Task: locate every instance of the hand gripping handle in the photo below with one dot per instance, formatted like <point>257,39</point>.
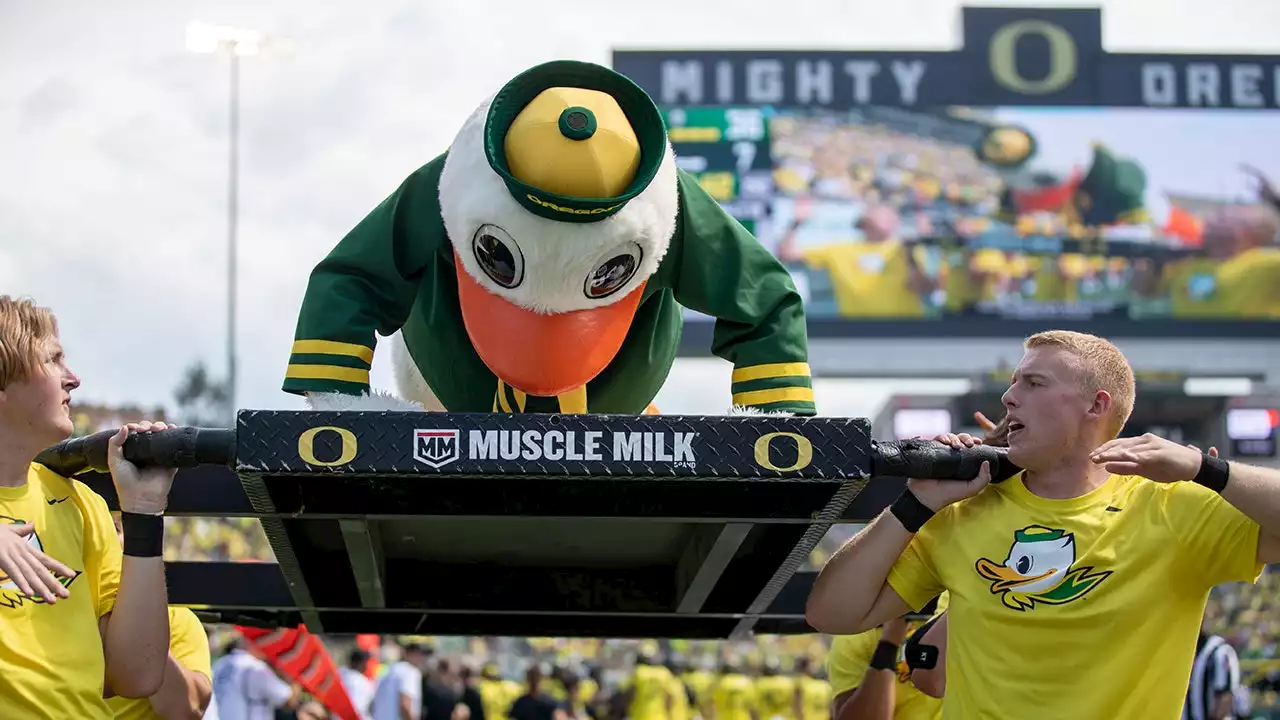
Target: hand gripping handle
<point>178,448</point>
<point>930,459</point>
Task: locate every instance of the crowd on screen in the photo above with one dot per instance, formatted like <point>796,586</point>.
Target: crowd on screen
<point>855,197</point>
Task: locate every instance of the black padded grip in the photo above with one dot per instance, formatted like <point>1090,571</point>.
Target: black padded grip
<point>178,448</point>
<point>930,459</point>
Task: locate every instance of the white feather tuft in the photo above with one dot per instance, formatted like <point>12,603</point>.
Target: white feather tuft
<point>745,410</point>
<point>373,400</point>
<point>409,381</point>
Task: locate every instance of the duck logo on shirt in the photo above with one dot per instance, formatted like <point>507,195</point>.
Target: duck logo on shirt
<point>1040,570</point>
<point>10,596</point>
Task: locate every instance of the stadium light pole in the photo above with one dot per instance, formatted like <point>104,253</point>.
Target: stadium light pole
<point>235,43</point>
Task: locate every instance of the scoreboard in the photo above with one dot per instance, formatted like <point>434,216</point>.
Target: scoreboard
<point>728,150</point>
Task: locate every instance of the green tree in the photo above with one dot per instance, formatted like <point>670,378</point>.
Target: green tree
<point>202,399</point>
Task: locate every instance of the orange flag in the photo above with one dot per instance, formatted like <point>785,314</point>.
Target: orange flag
<point>301,657</point>
<point>1185,226</point>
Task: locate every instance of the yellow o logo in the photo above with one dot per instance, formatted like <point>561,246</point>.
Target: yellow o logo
<point>307,446</point>
<point>804,452</point>
<point>1063,62</point>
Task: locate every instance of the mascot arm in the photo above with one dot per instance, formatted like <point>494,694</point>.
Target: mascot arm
<point>726,273</point>
<point>366,285</point>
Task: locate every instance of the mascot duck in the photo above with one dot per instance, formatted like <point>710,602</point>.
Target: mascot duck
<point>540,265</point>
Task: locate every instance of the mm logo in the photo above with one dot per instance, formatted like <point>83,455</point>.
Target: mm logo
<point>347,448</point>
<point>436,448</point>
<point>765,444</point>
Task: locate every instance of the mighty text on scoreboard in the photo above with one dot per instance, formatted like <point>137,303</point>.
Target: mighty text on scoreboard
<point>1010,57</point>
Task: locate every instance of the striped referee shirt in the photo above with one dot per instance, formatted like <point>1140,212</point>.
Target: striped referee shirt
<point>1216,670</point>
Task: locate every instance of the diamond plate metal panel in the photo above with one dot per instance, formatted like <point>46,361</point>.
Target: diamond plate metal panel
<point>463,445</point>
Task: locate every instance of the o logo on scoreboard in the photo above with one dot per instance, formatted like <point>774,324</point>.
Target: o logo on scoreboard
<point>307,446</point>
<point>1063,58</point>
<point>804,451</point>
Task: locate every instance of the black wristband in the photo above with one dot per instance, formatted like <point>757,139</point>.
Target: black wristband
<point>1214,473</point>
<point>885,657</point>
<point>912,513</point>
<point>143,534</point>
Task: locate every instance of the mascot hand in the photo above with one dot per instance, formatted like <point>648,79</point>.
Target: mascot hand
<point>373,400</point>
<point>744,410</point>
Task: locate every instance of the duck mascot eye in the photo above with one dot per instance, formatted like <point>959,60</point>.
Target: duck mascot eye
<point>541,264</point>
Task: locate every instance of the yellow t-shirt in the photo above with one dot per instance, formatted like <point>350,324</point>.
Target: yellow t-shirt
<point>587,689</point>
<point>51,658</point>
<point>815,698</point>
<point>493,698</point>
<point>962,286</point>
<point>776,697</point>
<point>733,697</point>
<point>850,658</point>
<point>700,681</point>
<point>679,699</point>
<point>869,279</point>
<point>652,685</point>
<point>188,644</point>
<point>1081,608</point>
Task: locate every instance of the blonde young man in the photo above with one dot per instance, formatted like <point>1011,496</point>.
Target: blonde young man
<point>187,686</point>
<point>80,620</point>
<point>1077,587</point>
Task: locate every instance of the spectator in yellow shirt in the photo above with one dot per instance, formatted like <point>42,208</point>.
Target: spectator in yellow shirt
<point>185,691</point>
<point>813,692</point>
<point>647,693</point>
<point>870,677</point>
<point>880,277</point>
<point>733,697</point>
<point>776,693</point>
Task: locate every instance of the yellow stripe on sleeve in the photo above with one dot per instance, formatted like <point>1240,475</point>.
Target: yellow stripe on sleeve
<point>332,347</point>
<point>772,370</point>
<point>328,372</point>
<point>765,397</point>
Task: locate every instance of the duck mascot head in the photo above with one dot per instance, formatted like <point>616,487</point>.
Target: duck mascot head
<point>541,265</point>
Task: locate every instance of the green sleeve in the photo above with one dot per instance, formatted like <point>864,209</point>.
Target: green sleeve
<point>726,273</point>
<point>366,285</point>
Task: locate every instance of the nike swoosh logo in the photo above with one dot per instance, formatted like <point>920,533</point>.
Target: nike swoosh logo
<point>55,501</point>
<point>1112,508</point>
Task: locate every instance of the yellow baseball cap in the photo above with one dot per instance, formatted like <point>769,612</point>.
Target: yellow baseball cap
<point>574,141</point>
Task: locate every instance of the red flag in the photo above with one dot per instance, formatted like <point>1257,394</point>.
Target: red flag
<point>301,657</point>
<point>1050,198</point>
<point>371,644</point>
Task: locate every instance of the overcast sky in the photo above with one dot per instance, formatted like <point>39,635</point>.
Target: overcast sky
<point>113,147</point>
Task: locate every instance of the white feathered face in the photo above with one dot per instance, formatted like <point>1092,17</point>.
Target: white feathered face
<point>546,303</point>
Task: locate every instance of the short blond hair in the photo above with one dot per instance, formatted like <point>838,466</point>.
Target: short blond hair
<point>1102,367</point>
<point>25,328</point>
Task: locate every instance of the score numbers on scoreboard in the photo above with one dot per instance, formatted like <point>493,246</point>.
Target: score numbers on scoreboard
<point>728,150</point>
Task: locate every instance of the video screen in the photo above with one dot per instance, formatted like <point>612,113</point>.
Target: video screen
<point>885,213</point>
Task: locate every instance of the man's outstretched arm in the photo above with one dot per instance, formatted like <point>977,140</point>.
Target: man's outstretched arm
<point>1253,490</point>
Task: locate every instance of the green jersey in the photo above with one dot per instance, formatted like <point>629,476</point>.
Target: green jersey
<point>395,271</point>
